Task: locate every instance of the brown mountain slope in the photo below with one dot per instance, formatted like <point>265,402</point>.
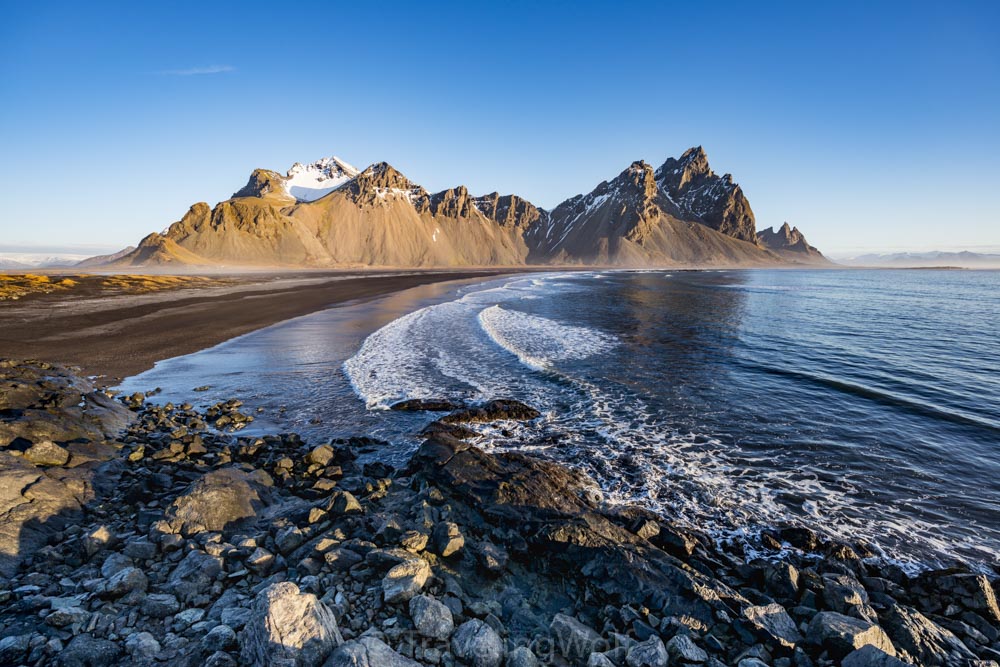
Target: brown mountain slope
<point>788,242</point>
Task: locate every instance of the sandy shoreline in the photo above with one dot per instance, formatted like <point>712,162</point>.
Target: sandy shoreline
<point>121,335</point>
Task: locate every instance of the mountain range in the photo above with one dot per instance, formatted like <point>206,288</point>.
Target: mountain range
<point>934,258</point>
<point>330,214</point>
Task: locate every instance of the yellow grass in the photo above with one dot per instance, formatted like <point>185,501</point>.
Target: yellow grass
<point>16,286</point>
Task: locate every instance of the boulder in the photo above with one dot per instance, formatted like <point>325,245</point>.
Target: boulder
<point>650,653</point>
<point>194,575</point>
<point>431,618</point>
<point>840,635</point>
<point>477,644</point>
<point>572,638</point>
<point>88,651</point>
<point>870,656</point>
<point>923,639</point>
<point>125,581</point>
<point>447,539</point>
<point>405,580</point>
<point>288,627</point>
<point>425,404</point>
<point>219,501</point>
<point>46,453</point>
<point>521,657</point>
<point>772,623</point>
<point>491,411</point>
<point>681,648</point>
<point>367,651</point>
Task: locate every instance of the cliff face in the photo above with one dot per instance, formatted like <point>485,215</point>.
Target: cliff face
<point>331,214</point>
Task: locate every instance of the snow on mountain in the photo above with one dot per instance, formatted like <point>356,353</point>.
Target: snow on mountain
<point>309,182</point>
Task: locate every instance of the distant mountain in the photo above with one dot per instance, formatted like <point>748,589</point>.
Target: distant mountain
<point>38,261</point>
<point>328,213</point>
<point>789,242</point>
<point>7,264</point>
<point>971,260</point>
<point>99,260</point>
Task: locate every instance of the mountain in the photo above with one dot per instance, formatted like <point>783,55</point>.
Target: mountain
<point>99,260</point>
<point>903,260</point>
<point>7,264</point>
<point>328,213</point>
<point>789,242</point>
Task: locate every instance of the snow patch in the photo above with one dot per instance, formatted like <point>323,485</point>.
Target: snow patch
<point>309,182</point>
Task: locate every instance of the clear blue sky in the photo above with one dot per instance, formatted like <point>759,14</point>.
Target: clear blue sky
<point>868,125</point>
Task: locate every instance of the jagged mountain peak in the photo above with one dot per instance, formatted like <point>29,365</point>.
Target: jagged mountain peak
<point>309,182</point>
<point>263,182</point>
<point>790,242</point>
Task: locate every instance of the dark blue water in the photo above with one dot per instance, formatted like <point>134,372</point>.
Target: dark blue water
<point>865,404</point>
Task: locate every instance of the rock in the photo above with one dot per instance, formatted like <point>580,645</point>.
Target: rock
<point>321,456</point>
<point>288,627</point>
<point>870,656</point>
<point>681,648</point>
<point>447,539</point>
<point>344,502</point>
<point>128,580</point>
<point>521,657</point>
<point>414,541</point>
<point>367,651</point>
<point>342,559</point>
<point>650,653</point>
<point>87,651</point>
<point>491,411</point>
<point>600,660</point>
<point>782,579</point>
<point>846,595</point>
<point>220,659</point>
<point>424,404</point>
<point>160,605</point>
<point>219,638</point>
<point>141,549</point>
<point>405,580</point>
<point>572,638</point>
<point>142,645</point>
<point>841,634</point>
<point>46,453</point>
<point>114,563</point>
<point>971,591</point>
<point>194,575</point>
<point>98,539</point>
<point>289,539</point>
<point>492,558</point>
<point>773,623</point>
<point>221,500</point>
<point>922,638</point>
<point>477,644</point>
<point>13,648</point>
<point>431,618</point>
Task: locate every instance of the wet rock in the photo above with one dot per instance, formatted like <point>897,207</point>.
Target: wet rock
<point>572,638</point>
<point>937,589</point>
<point>288,627</point>
<point>650,653</point>
<point>772,623</point>
<point>431,618</point>
<point>476,643</point>
<point>841,634</point>
<point>405,580</point>
<point>368,651</point>
<point>681,648</point>
<point>425,404</point>
<point>447,539</point>
<point>491,411</point>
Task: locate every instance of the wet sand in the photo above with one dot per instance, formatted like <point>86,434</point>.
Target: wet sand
<point>115,335</point>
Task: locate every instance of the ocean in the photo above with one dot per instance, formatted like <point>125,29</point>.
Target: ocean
<point>862,404</point>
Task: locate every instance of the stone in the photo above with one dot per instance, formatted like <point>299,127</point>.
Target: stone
<point>414,541</point>
<point>681,648</point>
<point>431,618</point>
<point>289,539</point>
<point>142,645</point>
<point>160,605</point>
<point>491,411</point>
<point>340,559</point>
<point>447,539</point>
<point>971,591</point>
<point>772,622</point>
<point>922,638</point>
<point>344,502</point>
<point>13,648</point>
<point>650,653</point>
<point>98,539</point>
<point>425,404</point>
<point>477,644</point>
<point>114,563</point>
<point>194,575</point>
<point>492,558</point>
<point>87,651</point>
<point>840,635</point>
<point>521,657</point>
<point>288,627</point>
<point>321,456</point>
<point>870,656</point>
<point>221,500</point>
<point>220,638</point>
<point>572,638</point>
<point>368,651</point>
<point>405,580</point>
<point>46,453</point>
<point>141,549</point>
<point>126,581</point>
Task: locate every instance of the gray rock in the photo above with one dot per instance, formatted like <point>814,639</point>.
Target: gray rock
<point>88,651</point>
<point>681,648</point>
<point>840,635</point>
<point>405,580</point>
<point>13,649</point>
<point>141,549</point>
<point>431,617</point>
<point>572,638</point>
<point>650,653</point>
<point>46,453</point>
<point>752,662</point>
<point>447,539</point>
<point>221,659</point>
<point>923,639</point>
<point>344,502</point>
<point>114,564</point>
<point>477,644</point>
<point>600,660</point>
<point>160,605</point>
<point>142,645</point>
<point>194,575</point>
<point>772,622</point>
<point>521,657</point>
<point>219,638</point>
<point>288,627</point>
<point>870,656</point>
<point>367,651</point>
<point>220,500</point>
<point>126,581</point>
<point>235,617</point>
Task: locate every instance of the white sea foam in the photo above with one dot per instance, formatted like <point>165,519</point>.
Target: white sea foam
<point>539,342</point>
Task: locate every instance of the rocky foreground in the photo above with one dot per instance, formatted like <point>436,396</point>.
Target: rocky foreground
<point>139,534</point>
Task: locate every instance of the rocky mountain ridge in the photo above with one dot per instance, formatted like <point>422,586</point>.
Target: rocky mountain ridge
<point>330,214</point>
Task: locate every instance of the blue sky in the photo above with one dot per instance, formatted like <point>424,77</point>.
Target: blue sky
<point>868,125</point>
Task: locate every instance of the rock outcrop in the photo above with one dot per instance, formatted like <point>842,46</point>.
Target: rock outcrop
<point>789,242</point>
